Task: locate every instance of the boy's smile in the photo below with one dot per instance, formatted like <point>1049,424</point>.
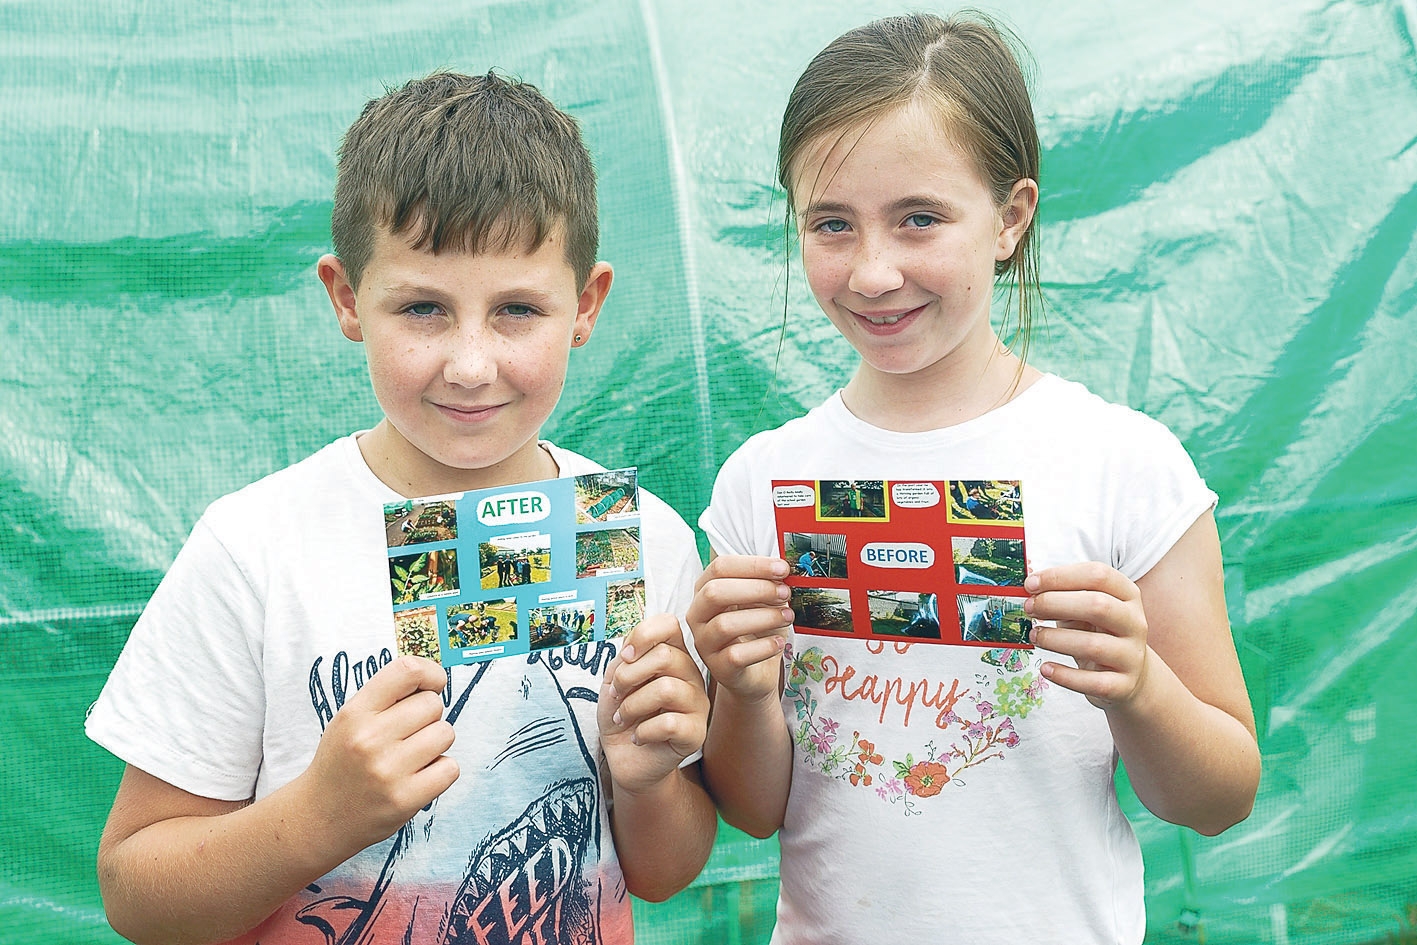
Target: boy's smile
<point>467,355</point>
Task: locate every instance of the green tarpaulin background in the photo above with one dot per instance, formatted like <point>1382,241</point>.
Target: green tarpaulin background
<point>1230,199</point>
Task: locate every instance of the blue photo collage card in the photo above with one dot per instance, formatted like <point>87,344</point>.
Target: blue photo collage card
<point>505,571</point>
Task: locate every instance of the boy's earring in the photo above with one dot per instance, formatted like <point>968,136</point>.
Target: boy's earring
<point>578,338</point>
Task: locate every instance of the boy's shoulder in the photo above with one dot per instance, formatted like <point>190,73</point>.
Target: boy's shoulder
<point>333,475</point>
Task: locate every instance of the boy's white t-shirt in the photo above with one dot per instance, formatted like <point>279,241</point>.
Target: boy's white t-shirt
<point>276,611</point>
<point>948,793</point>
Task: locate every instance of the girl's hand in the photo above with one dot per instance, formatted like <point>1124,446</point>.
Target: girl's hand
<point>653,710</point>
<point>740,620</point>
<point>1100,624</point>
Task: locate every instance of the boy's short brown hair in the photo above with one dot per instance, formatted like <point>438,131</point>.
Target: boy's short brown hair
<point>477,163</point>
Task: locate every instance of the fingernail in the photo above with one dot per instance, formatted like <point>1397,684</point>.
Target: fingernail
<point>634,738</point>
<point>787,615</point>
<point>1031,583</point>
<point>616,718</point>
<point>628,653</point>
<point>779,568</point>
<point>784,592</point>
<point>1028,605</point>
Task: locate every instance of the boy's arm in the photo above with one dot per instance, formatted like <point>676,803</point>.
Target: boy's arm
<point>175,867</point>
<point>1158,658</point>
<point>739,619</point>
<point>652,715</point>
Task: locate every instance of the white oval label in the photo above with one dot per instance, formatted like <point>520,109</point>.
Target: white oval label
<point>915,495</point>
<point>513,507</point>
<point>897,554</point>
<point>793,497</point>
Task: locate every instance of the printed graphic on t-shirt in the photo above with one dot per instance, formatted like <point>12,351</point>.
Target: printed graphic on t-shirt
<point>514,852</point>
<point>516,569</point>
<point>929,562</point>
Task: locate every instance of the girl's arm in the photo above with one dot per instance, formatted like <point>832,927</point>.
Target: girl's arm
<point>652,714</point>
<point>1158,658</point>
<point>740,619</point>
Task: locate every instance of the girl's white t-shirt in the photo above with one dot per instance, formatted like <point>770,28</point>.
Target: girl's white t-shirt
<point>949,793</point>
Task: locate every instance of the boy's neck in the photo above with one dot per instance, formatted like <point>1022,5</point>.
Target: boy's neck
<point>411,473</point>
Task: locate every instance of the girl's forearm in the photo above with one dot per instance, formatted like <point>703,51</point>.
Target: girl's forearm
<point>1190,762</point>
<point>748,762</point>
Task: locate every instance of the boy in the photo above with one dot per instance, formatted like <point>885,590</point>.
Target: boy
<point>288,780</point>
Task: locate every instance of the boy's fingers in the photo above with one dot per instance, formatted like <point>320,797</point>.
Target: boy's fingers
<point>650,632</point>
<point>400,679</point>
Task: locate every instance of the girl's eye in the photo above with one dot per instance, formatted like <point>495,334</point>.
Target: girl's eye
<point>920,220</point>
<point>423,309</point>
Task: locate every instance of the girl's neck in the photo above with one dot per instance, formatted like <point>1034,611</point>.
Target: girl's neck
<point>942,395</point>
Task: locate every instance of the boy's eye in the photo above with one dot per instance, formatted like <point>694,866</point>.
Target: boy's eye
<point>518,310</point>
<point>423,309</point>
<point>920,220</point>
<point>832,226</point>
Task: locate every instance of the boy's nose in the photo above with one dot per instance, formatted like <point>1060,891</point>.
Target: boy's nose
<point>874,273</point>
<point>471,361</point>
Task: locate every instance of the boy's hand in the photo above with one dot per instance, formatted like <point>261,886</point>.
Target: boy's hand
<point>653,711</point>
<point>380,759</point>
<point>740,619</point>
<point>1100,624</point>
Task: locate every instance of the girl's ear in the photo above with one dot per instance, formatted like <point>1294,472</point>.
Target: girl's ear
<point>597,287</point>
<point>1016,215</point>
<point>341,293</point>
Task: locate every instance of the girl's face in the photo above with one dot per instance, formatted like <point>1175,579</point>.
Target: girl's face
<point>899,239</point>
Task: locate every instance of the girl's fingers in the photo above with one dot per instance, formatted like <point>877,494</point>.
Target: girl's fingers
<point>742,566</point>
<point>726,595</point>
<point>1084,646</point>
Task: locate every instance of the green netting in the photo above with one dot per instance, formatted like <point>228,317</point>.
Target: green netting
<point>1230,201</point>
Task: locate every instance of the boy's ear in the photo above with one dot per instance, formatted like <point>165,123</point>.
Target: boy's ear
<point>1016,215</point>
<point>336,282</point>
<point>597,287</point>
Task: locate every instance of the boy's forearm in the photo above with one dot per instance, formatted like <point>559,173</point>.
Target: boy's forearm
<point>198,879</point>
<point>748,763</point>
<point>663,836</point>
<point>1190,763</point>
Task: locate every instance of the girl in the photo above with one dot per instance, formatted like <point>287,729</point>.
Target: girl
<point>960,792</point>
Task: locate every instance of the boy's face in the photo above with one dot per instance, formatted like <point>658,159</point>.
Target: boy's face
<point>467,354</point>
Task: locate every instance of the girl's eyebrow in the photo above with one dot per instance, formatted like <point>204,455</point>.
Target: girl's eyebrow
<point>899,205</point>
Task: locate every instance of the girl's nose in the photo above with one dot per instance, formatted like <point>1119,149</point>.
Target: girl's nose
<point>874,272</point>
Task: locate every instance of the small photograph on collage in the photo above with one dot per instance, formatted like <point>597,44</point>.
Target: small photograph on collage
<point>812,555</point>
<point>423,576</point>
<point>482,623</point>
<point>606,496</point>
<point>514,560</point>
<point>608,551</point>
<point>862,499</point>
<point>624,606</point>
<point>988,619</point>
<point>988,561</point>
<point>985,502</point>
<point>418,523</point>
<point>822,608</point>
<point>904,614</point>
<point>561,624</point>
<point>416,633</point>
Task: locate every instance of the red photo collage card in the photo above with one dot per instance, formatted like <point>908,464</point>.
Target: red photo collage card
<point>912,561</point>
